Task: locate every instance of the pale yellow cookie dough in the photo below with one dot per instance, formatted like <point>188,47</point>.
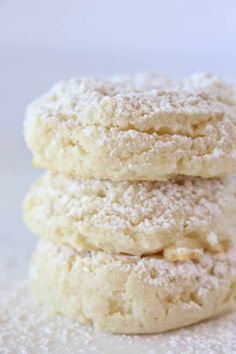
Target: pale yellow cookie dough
<point>135,128</point>
<point>131,294</point>
<point>183,216</point>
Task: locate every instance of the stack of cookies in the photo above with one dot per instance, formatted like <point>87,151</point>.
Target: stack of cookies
<point>136,214</point>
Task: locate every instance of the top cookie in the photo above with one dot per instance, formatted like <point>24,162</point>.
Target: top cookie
<point>135,128</point>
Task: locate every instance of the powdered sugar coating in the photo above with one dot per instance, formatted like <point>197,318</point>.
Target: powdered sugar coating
<point>140,102</point>
<point>135,128</point>
<point>135,217</point>
<point>111,291</point>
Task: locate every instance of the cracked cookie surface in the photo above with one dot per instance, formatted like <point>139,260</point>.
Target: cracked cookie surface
<point>135,128</point>
<point>131,294</point>
<point>182,217</point>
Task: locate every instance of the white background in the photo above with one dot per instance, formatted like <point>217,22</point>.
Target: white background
<point>43,41</point>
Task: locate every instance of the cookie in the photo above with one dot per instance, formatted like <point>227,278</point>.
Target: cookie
<point>131,294</point>
<point>181,217</point>
<point>135,128</point>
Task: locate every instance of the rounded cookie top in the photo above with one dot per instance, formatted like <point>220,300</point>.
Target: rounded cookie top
<point>182,217</point>
<point>141,102</point>
<point>135,128</point>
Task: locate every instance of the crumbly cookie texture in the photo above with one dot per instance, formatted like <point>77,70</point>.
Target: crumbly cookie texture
<point>135,128</point>
<point>182,217</point>
<point>131,294</point>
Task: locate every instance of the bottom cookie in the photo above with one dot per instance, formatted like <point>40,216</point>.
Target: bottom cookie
<point>132,294</point>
